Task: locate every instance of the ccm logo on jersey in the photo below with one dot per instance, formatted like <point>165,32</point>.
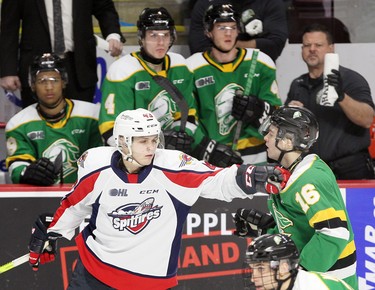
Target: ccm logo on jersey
<point>149,191</point>
<point>248,174</point>
<point>180,81</point>
<point>135,217</point>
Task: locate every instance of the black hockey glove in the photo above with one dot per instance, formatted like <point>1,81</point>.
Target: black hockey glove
<point>334,79</point>
<point>217,154</point>
<point>252,222</point>
<point>268,178</point>
<point>178,141</point>
<point>39,172</point>
<point>39,254</point>
<point>248,109</point>
<point>108,138</point>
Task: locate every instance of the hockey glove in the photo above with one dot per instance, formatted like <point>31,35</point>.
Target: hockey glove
<point>39,172</point>
<point>268,178</point>
<point>217,154</point>
<point>334,79</point>
<point>248,109</point>
<point>39,254</point>
<point>252,222</point>
<point>178,141</point>
<point>254,27</point>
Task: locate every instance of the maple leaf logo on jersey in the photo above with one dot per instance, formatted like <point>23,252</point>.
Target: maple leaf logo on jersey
<point>135,217</point>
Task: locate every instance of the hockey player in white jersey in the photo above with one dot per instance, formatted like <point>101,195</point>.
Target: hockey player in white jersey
<point>138,195</point>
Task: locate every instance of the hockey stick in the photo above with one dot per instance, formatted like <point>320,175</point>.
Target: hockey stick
<point>248,85</point>
<point>16,262</point>
<point>58,164</point>
<point>176,96</point>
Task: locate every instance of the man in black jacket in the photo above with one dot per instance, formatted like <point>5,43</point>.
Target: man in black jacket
<point>35,18</point>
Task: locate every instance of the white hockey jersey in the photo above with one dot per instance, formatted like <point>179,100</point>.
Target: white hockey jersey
<point>133,237</point>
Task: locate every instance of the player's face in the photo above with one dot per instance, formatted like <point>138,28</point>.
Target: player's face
<point>156,43</point>
<point>272,151</point>
<point>314,47</point>
<point>143,149</point>
<point>48,88</point>
<point>224,35</point>
<point>263,276</point>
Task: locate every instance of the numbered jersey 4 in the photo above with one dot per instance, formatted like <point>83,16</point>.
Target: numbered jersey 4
<point>129,85</point>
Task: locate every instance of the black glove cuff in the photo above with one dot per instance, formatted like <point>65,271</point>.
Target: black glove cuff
<point>245,179</point>
<point>204,149</point>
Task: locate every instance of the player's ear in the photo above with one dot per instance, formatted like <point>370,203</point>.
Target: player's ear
<point>284,267</point>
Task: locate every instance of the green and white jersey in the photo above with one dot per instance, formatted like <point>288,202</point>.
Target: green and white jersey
<point>30,137</point>
<point>214,87</point>
<point>318,281</point>
<point>129,85</point>
<point>311,210</point>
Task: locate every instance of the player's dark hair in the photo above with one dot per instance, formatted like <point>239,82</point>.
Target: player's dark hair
<point>318,27</point>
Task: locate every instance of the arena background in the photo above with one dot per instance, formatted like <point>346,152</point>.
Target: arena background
<point>211,258</point>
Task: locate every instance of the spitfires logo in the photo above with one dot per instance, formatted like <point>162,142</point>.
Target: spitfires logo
<point>135,217</point>
<point>185,159</point>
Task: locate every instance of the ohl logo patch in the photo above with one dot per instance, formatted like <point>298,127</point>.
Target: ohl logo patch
<point>135,217</point>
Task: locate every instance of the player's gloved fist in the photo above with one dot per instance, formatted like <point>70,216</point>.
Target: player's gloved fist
<point>217,154</point>
<point>252,222</point>
<point>248,109</point>
<point>263,178</point>
<point>39,252</point>
<point>254,27</point>
<point>178,141</point>
<point>39,172</point>
<point>334,79</point>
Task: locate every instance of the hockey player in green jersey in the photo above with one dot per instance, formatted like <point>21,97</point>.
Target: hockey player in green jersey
<point>222,75</point>
<point>310,209</point>
<point>54,126</point>
<point>130,84</point>
<point>271,263</point>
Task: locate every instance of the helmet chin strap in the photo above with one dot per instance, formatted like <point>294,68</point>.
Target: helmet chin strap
<point>292,277</point>
<point>128,157</point>
<point>282,154</point>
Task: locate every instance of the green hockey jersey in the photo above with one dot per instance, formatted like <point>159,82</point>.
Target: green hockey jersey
<point>215,85</point>
<point>311,210</point>
<point>129,85</point>
<point>30,137</point>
